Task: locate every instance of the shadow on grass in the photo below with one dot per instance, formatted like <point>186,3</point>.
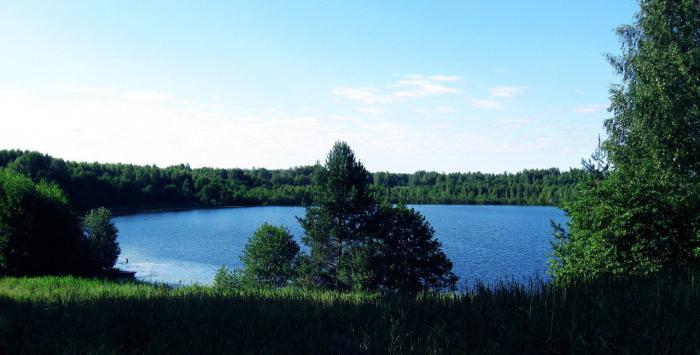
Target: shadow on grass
<point>645,315</point>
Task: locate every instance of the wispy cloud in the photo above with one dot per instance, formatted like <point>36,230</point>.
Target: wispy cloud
<point>410,87</point>
<point>488,104</point>
<point>65,121</point>
<point>506,91</point>
<point>418,86</point>
<point>144,96</point>
<point>373,110</point>
<point>148,96</point>
<point>496,97</point>
<point>176,131</point>
<point>443,110</point>
<point>515,122</point>
<point>368,95</point>
<point>593,108</point>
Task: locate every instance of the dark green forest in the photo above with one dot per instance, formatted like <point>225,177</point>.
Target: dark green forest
<point>124,187</point>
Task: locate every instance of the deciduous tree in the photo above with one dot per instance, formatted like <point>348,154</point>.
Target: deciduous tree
<point>101,238</point>
<point>643,214</point>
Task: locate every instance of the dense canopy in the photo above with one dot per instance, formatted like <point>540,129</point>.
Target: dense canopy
<point>124,186</point>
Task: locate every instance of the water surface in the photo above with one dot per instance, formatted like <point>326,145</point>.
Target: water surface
<point>485,242</point>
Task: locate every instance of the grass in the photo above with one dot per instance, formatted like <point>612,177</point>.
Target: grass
<point>655,315</point>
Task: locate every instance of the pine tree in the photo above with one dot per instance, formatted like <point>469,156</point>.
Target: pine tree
<point>339,218</point>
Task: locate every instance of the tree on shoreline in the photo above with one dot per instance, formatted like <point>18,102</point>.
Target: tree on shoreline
<point>269,260</point>
<point>133,187</point>
<point>39,234</point>
<point>338,222</point>
<point>406,256</point>
<point>101,238</point>
<point>356,244</point>
<point>643,215</point>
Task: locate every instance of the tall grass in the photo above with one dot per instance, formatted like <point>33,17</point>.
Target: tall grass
<point>657,314</point>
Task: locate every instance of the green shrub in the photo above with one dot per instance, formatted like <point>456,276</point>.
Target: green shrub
<point>226,279</point>
<point>39,234</point>
<point>101,238</point>
<point>269,260</point>
<point>406,257</point>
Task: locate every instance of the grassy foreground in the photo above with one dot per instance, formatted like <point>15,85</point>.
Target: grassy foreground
<point>655,315</point>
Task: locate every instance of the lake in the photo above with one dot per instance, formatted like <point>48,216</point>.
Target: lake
<point>484,242</point>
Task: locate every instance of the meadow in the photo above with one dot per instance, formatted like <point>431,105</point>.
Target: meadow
<point>655,315</point>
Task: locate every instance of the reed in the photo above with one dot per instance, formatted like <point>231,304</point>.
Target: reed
<point>653,314</point>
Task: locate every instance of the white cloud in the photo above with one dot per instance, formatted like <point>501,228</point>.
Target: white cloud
<point>368,95</point>
<point>444,109</point>
<point>593,108</point>
<point>410,87</point>
<point>148,96</point>
<point>420,87</point>
<point>143,129</point>
<point>448,78</point>
<point>436,110</point>
<point>497,95</point>
<point>107,125</point>
<point>486,104</point>
<point>372,110</point>
<point>514,122</point>
<point>505,91</point>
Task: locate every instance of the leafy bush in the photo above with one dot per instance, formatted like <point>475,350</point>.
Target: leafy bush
<point>101,237</point>
<point>269,260</point>
<point>226,279</point>
<point>39,234</point>
<point>407,257</point>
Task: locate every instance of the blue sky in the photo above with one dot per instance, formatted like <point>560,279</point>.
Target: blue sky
<point>412,85</point>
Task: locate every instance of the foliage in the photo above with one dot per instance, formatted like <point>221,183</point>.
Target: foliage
<point>339,219</point>
<point>39,234</point>
<point>643,214</point>
<point>527,187</point>
<point>226,279</point>
<point>357,244</point>
<point>305,272</point>
<point>269,257</point>
<point>127,187</point>
<point>656,314</point>
<point>101,237</point>
<point>407,257</point>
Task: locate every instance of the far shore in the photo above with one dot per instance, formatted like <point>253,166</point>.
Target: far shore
<point>119,211</point>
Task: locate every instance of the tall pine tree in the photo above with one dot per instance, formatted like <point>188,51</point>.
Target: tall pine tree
<point>338,221</point>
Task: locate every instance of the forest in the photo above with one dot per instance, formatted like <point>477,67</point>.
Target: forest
<point>127,187</point>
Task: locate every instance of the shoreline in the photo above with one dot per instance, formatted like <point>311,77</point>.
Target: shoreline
<point>128,211</point>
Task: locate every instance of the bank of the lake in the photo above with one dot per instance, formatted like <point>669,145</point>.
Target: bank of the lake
<point>653,315</point>
<point>485,242</point>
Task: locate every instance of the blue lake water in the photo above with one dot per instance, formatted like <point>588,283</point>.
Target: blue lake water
<point>483,242</point>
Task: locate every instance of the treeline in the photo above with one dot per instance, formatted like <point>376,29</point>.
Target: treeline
<point>126,186</point>
<point>527,187</point>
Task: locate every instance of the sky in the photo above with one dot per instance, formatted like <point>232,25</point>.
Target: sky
<point>449,86</point>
